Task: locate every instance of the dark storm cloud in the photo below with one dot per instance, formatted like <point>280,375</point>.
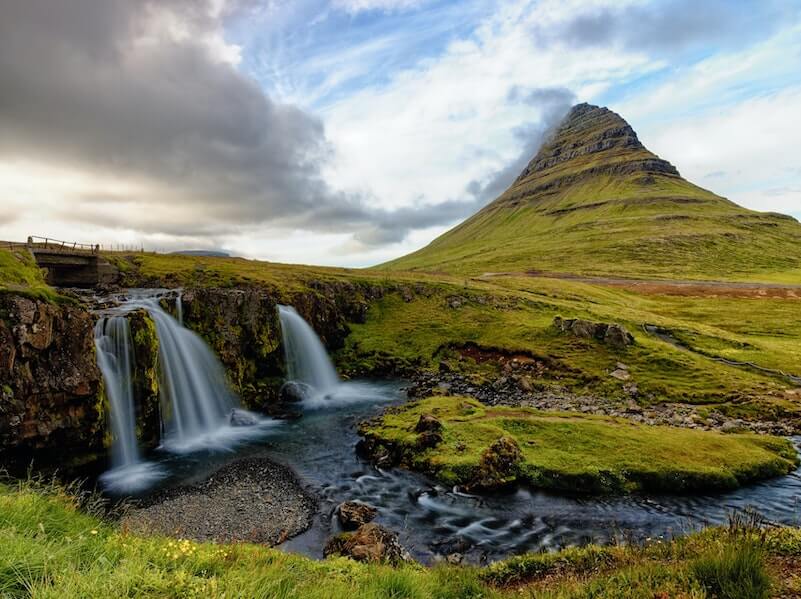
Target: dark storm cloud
<point>670,25</point>
<point>111,88</point>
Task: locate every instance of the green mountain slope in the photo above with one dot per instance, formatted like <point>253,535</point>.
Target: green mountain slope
<point>595,201</point>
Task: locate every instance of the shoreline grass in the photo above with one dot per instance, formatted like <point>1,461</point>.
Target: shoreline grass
<point>571,452</point>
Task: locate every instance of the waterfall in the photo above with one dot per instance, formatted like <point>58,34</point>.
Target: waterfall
<point>115,360</point>
<point>198,410</point>
<point>306,359</point>
<point>179,308</point>
<point>196,402</point>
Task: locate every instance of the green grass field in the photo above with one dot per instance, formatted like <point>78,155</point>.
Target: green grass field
<point>576,452</point>
<point>53,546</point>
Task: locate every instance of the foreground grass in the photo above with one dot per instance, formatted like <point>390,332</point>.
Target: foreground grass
<point>573,452</point>
<point>51,547</point>
<point>20,274</point>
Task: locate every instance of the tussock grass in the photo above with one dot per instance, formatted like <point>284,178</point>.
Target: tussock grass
<point>576,452</point>
<point>51,547</point>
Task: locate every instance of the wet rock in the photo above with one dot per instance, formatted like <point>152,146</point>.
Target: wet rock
<point>369,543</point>
<point>294,391</point>
<point>353,514</point>
<point>242,418</point>
<point>427,423</point>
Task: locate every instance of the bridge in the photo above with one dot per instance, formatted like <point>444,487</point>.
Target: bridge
<point>69,264</point>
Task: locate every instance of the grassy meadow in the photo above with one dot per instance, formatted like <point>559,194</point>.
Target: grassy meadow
<point>55,545</point>
<point>577,453</point>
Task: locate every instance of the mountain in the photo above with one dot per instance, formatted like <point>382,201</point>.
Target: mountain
<point>595,201</point>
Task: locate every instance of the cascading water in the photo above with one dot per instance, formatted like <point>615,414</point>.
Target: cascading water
<point>115,360</point>
<point>198,410</point>
<point>196,401</point>
<point>306,359</point>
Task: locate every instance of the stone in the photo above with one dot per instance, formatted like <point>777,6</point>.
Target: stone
<point>618,337</point>
<point>621,375</point>
<point>444,366</point>
<point>427,423</point>
<point>525,384</point>
<point>498,464</point>
<point>613,335</point>
<point>429,439</point>
<point>369,543</point>
<point>242,418</point>
<point>294,391</point>
<point>353,514</point>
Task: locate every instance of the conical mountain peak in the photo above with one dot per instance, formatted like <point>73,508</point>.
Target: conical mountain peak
<point>592,135</point>
<point>595,200</point>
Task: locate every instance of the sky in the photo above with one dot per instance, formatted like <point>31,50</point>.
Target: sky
<point>351,132</point>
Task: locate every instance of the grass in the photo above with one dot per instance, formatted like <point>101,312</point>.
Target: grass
<point>19,274</point>
<point>575,452</point>
<point>516,314</point>
<point>52,544</point>
<point>602,213</point>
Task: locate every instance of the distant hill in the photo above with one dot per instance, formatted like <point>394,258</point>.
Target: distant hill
<point>209,253</point>
<point>595,201</point>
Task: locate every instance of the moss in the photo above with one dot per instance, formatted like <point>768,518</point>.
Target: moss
<point>146,379</point>
<point>571,452</point>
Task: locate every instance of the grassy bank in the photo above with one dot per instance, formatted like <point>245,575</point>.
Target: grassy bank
<point>20,274</point>
<point>490,446</point>
<point>50,547</point>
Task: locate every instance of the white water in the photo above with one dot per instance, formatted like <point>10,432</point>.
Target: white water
<point>306,359</point>
<point>115,360</point>
<point>196,403</point>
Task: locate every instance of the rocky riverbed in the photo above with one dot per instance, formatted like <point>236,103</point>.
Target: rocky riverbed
<point>252,499</point>
<point>514,388</point>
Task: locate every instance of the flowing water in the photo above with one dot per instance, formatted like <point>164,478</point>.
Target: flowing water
<point>115,360</point>
<point>196,404</point>
<point>307,361</point>
<point>431,519</point>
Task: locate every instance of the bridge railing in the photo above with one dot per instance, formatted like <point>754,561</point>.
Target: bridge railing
<point>57,244</point>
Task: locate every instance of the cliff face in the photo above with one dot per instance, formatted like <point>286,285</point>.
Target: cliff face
<point>50,386</point>
<point>52,400</point>
<point>242,327</point>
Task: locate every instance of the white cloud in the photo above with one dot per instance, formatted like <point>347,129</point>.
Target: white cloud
<point>357,6</point>
<point>431,129</point>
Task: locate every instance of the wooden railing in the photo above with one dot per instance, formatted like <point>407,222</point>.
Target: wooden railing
<point>57,244</point>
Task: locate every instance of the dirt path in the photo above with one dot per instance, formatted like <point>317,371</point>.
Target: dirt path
<point>678,287</point>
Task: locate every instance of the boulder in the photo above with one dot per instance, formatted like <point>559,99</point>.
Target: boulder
<point>353,514</point>
<point>427,423</point>
<point>614,335</point>
<point>242,418</point>
<point>618,337</point>
<point>499,464</point>
<point>294,391</point>
<point>369,543</point>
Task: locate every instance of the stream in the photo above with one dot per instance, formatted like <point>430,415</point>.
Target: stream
<point>435,521</point>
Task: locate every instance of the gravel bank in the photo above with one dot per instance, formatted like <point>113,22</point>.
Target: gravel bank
<point>252,499</point>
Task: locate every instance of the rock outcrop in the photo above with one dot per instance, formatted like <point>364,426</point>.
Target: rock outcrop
<point>370,543</point>
<point>51,402</point>
<point>353,514</point>
<point>613,335</point>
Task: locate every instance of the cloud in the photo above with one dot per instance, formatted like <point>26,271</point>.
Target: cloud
<point>357,6</point>
<point>146,96</point>
<point>666,25</point>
